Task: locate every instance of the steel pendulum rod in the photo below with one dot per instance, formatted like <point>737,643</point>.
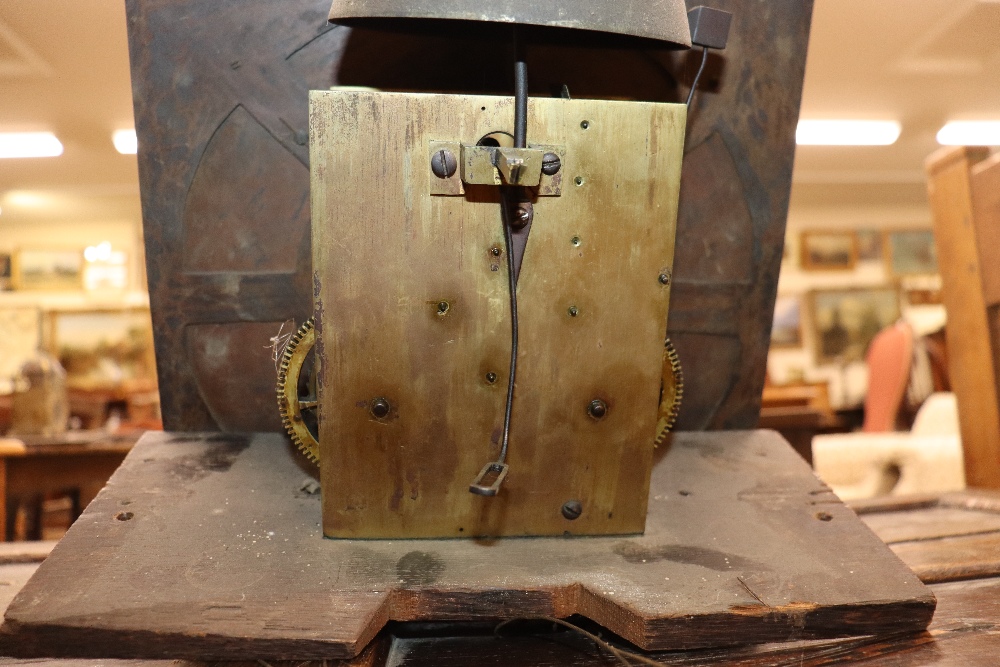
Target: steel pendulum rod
<point>488,482</point>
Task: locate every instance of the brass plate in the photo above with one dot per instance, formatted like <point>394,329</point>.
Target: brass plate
<point>412,307</point>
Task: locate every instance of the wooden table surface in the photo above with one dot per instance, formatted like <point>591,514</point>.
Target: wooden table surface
<point>33,465</point>
<point>952,542</point>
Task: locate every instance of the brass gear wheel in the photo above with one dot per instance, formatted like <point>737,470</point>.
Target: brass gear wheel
<point>291,387</point>
<point>671,392</point>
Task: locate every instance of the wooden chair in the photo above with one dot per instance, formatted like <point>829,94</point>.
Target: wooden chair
<point>889,358</point>
<point>964,190</point>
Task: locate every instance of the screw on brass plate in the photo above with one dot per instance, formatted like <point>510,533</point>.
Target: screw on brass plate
<point>585,124</point>
<point>495,251</point>
<point>824,516</point>
<point>573,312</point>
<point>380,408</point>
<point>578,180</point>
<point>664,278</point>
<point>597,409</point>
<point>575,241</point>
<point>443,307</point>
<point>491,377</point>
<point>444,164</point>
<point>572,509</point>
<point>124,516</point>
<point>551,164</point>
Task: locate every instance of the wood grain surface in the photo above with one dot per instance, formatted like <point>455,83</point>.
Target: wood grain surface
<point>951,537</point>
<point>387,254</point>
<point>207,546</point>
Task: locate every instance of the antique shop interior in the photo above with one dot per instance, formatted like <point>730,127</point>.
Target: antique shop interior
<point>859,319</point>
<point>201,260</point>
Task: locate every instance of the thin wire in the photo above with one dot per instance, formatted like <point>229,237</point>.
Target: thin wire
<point>512,286</point>
<point>701,68</point>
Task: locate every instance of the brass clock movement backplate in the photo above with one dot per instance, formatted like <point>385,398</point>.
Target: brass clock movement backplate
<point>413,322</point>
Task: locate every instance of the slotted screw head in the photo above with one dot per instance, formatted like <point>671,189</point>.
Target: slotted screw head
<point>551,164</point>
<point>444,164</point>
<point>572,509</point>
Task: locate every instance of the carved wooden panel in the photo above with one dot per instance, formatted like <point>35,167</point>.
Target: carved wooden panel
<point>221,105</point>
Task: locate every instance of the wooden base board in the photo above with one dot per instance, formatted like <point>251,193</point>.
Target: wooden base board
<point>208,546</point>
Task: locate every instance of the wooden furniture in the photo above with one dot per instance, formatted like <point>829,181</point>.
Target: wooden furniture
<point>82,461</point>
<point>964,190</point>
<point>951,541</point>
<point>799,412</point>
<point>889,359</point>
<point>214,550</point>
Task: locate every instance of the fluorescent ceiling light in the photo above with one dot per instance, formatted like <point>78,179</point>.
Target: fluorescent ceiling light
<point>125,142</point>
<point>29,144</point>
<point>847,132</point>
<point>970,133</point>
<point>24,199</point>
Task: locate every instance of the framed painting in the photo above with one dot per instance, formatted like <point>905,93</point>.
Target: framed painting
<point>103,348</point>
<point>844,321</point>
<point>48,269</point>
<point>6,271</point>
<point>786,327</point>
<point>911,252</point>
<point>829,251</point>
<point>869,245</point>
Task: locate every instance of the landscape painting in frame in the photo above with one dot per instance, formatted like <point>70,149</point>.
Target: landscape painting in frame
<point>49,270</point>
<point>786,328</point>
<point>846,320</point>
<point>829,251</point>
<point>912,252</point>
<point>104,348</point>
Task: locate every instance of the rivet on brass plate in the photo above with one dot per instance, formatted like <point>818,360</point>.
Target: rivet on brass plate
<point>443,307</point>
<point>573,312</point>
<point>380,408</point>
<point>575,241</point>
<point>495,251</point>
<point>597,409</point>
<point>578,180</point>
<point>491,377</point>
<point>585,124</point>
<point>664,278</point>
<point>572,509</point>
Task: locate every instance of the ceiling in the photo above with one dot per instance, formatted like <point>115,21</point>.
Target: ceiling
<point>920,62</point>
<point>64,68</point>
